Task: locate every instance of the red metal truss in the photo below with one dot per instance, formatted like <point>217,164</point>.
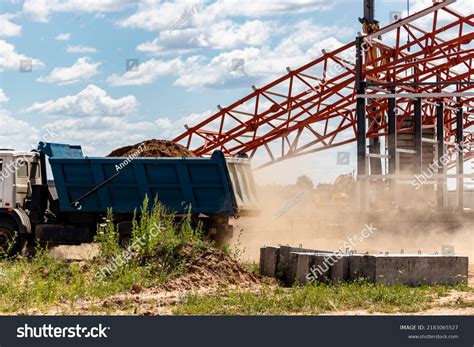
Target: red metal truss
<point>312,108</point>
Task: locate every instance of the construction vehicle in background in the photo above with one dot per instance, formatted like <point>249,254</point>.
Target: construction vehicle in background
<point>339,194</point>
<point>68,210</point>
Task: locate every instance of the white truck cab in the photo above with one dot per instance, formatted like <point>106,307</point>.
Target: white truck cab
<point>19,171</point>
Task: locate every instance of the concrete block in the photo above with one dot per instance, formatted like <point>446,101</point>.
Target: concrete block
<point>303,264</point>
<point>270,261</point>
<point>283,264</point>
<point>362,266</point>
<point>262,259</point>
<point>292,265</point>
<point>322,268</point>
<point>419,269</point>
<point>284,260</point>
<point>339,271</point>
<point>292,269</point>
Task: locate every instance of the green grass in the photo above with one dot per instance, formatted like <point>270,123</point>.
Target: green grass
<point>41,280</point>
<point>315,299</point>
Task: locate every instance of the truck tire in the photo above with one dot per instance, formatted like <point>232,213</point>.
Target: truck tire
<point>221,232</point>
<point>9,242</point>
<point>224,236</point>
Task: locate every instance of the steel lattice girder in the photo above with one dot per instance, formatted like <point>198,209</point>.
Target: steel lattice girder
<point>313,108</point>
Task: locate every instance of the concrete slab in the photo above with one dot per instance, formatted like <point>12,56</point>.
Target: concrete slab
<point>262,259</point>
<point>362,266</point>
<point>292,269</point>
<point>292,265</point>
<point>270,256</point>
<point>283,265</point>
<point>414,270</point>
<point>339,272</point>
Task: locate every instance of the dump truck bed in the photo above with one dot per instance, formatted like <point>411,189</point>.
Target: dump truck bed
<point>206,185</point>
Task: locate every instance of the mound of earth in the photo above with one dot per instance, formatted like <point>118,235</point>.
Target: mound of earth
<point>153,149</point>
<point>210,269</point>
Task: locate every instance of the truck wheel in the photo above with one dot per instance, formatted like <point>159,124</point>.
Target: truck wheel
<point>224,236</point>
<point>9,242</point>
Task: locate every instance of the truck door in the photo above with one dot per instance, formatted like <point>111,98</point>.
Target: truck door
<point>22,180</point>
<point>1,183</point>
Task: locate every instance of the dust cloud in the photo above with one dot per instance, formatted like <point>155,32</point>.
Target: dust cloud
<point>302,216</point>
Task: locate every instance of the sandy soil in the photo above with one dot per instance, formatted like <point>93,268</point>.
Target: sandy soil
<point>204,273</point>
<point>153,149</point>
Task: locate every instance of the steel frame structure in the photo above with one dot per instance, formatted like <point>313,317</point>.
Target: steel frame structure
<point>314,108</point>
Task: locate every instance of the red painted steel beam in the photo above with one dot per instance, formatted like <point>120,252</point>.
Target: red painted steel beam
<point>312,108</point>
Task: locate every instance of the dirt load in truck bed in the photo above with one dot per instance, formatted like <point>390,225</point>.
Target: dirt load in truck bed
<point>153,149</point>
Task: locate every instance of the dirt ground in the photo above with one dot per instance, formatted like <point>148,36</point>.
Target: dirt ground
<point>204,274</point>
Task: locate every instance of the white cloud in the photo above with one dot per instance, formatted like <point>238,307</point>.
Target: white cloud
<point>41,10</point>
<point>63,37</point>
<point>157,15</point>
<point>80,49</point>
<point>252,8</point>
<point>8,28</point>
<point>82,70</point>
<point>91,101</point>
<point>18,134</point>
<point>146,73</point>
<point>172,128</point>
<point>241,67</point>
<point>100,135</point>
<point>3,96</point>
<point>10,59</point>
<point>222,35</point>
<point>187,25</point>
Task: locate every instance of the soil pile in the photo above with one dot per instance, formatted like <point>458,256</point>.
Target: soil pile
<point>153,149</point>
<point>210,269</point>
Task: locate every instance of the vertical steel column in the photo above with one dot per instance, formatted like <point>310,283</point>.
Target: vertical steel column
<point>441,191</point>
<point>418,134</point>
<point>392,145</point>
<point>361,124</point>
<point>460,161</point>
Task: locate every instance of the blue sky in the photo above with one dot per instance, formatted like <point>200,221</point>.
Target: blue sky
<point>78,50</point>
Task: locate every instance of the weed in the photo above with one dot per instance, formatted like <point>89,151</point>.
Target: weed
<point>151,258</point>
<point>314,299</point>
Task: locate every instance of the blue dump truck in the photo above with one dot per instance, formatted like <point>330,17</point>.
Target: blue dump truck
<point>68,208</point>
